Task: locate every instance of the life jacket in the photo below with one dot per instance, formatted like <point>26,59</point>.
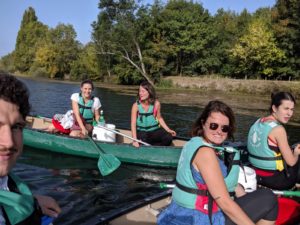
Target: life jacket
<point>86,109</point>
<point>146,121</point>
<point>187,192</point>
<point>18,203</point>
<point>260,154</point>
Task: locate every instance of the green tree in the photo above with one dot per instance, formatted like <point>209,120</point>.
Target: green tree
<point>186,32</point>
<point>225,25</point>
<point>7,62</point>
<point>58,51</point>
<point>117,33</point>
<point>86,65</point>
<point>256,52</point>
<point>29,36</point>
<point>286,24</point>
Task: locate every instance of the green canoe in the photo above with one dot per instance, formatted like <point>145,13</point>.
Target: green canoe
<point>155,156</point>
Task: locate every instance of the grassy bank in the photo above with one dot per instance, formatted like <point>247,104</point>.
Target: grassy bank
<point>245,86</point>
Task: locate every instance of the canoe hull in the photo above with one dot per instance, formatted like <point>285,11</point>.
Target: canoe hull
<point>157,156</point>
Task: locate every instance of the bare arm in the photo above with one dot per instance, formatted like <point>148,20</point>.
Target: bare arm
<point>76,112</point>
<point>290,157</point>
<point>161,119</point>
<point>207,164</point>
<point>134,111</point>
<point>48,205</point>
<point>97,114</point>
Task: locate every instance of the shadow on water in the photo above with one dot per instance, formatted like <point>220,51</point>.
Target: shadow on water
<point>84,195</point>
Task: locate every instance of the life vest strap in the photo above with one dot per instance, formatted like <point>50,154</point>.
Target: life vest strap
<point>192,190</point>
<point>266,158</point>
<point>145,114</point>
<point>147,127</point>
<point>236,162</point>
<point>84,107</point>
<point>196,191</point>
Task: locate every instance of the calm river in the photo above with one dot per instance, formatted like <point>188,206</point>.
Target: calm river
<point>84,195</point>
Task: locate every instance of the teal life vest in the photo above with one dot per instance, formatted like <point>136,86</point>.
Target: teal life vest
<point>146,121</point>
<point>260,154</point>
<point>86,109</point>
<point>18,204</point>
<point>187,192</point>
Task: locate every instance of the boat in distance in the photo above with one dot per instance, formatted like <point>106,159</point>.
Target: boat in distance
<point>34,135</point>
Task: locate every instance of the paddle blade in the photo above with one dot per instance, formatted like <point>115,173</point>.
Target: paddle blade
<point>108,163</point>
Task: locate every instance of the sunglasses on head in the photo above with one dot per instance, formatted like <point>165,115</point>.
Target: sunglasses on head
<point>224,128</point>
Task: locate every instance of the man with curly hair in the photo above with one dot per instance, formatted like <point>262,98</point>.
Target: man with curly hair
<point>17,204</point>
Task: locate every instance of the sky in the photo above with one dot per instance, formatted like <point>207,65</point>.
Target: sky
<point>81,13</point>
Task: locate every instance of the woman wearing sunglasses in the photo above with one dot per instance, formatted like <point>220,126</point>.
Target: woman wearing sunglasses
<point>275,163</point>
<point>201,195</point>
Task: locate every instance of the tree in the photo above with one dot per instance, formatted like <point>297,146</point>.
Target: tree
<point>186,32</point>
<point>286,24</point>
<point>7,62</point>
<point>59,50</point>
<point>29,36</point>
<point>256,52</point>
<point>86,65</point>
<point>117,33</point>
<point>226,28</point>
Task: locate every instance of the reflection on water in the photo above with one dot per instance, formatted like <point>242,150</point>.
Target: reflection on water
<point>84,195</point>
<point>82,192</point>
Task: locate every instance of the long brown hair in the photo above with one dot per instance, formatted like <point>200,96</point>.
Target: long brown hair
<point>214,106</point>
<point>152,95</point>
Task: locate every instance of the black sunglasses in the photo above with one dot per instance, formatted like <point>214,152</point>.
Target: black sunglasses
<point>224,128</point>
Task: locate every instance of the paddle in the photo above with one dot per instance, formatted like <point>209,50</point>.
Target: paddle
<point>124,135</point>
<point>107,163</point>
<point>283,193</point>
<point>287,193</point>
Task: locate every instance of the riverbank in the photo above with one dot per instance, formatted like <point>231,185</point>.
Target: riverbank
<point>240,86</point>
<point>206,84</point>
<point>246,97</point>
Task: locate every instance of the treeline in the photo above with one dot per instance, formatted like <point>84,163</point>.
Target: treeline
<point>132,42</point>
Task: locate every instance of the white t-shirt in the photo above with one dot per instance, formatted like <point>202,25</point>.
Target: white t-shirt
<point>96,105</point>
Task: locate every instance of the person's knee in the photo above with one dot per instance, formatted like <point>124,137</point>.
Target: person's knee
<point>167,139</point>
<point>268,197</point>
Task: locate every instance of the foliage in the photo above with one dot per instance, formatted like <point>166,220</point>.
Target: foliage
<point>7,63</point>
<point>117,33</point>
<point>31,33</point>
<point>133,42</point>
<point>86,65</point>
<point>286,25</point>
<point>256,52</point>
<point>59,51</point>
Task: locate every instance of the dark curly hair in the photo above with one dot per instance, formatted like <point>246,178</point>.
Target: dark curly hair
<point>14,91</point>
<point>214,106</point>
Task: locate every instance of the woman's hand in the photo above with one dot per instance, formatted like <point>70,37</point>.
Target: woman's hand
<point>239,191</point>
<point>297,149</point>
<point>48,205</point>
<point>172,132</point>
<point>135,144</point>
<point>84,132</point>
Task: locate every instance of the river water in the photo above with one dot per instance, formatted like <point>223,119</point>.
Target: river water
<point>84,195</point>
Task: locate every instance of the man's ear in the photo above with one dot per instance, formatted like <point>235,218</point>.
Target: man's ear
<point>274,108</point>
